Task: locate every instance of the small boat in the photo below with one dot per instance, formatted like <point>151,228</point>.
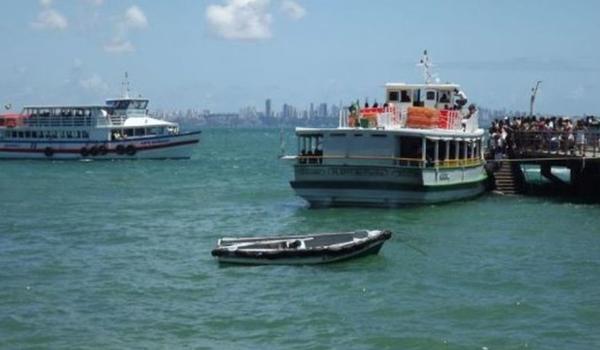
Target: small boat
<point>301,249</point>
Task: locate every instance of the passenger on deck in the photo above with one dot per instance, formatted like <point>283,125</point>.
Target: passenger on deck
<point>444,98</point>
<point>461,99</point>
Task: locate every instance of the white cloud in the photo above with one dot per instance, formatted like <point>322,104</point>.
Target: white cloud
<point>119,46</point>
<point>293,9</point>
<point>240,19</point>
<point>94,83</point>
<point>50,19</point>
<point>46,3</point>
<point>135,18</point>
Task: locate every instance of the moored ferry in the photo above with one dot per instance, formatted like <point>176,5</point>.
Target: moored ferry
<point>120,129</point>
<point>423,145</point>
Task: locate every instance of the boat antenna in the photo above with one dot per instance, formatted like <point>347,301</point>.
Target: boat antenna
<point>534,91</point>
<point>125,86</point>
<point>425,62</point>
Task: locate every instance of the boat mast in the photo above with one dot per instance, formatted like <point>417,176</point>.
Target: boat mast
<point>426,64</point>
<point>125,87</point>
<point>534,91</point>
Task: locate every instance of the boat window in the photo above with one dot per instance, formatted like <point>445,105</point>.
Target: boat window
<point>431,95</point>
<point>128,132</point>
<point>378,135</point>
<point>337,135</point>
<point>430,153</point>
<point>20,134</point>
<point>27,134</point>
<point>140,132</point>
<point>358,135</point>
<point>443,148</point>
<point>444,97</point>
<point>393,96</point>
<point>154,131</point>
<point>417,99</point>
<point>85,135</point>
<point>139,104</point>
<point>14,134</point>
<point>404,96</point>
<point>461,149</point>
<point>411,147</point>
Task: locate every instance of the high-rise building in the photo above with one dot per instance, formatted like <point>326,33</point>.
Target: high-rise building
<point>268,112</point>
<point>323,110</point>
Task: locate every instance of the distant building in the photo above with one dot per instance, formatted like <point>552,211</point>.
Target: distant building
<point>323,110</point>
<point>268,111</point>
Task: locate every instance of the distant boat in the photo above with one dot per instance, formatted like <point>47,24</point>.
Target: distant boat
<point>120,129</point>
<point>422,145</point>
<point>302,249</point>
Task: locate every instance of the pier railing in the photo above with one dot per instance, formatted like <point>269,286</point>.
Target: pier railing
<point>573,143</point>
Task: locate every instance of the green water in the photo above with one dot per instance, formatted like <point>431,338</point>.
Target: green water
<point>116,255</point>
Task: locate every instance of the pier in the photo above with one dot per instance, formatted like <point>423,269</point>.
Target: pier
<point>576,149</point>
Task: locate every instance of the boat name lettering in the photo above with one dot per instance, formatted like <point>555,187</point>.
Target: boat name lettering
<point>154,142</point>
<point>444,177</point>
<point>358,172</point>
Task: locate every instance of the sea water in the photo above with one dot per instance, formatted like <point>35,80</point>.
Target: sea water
<point>114,255</point>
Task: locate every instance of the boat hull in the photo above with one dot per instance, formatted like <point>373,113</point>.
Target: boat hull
<point>178,146</point>
<point>338,186</point>
<point>372,249</point>
<point>235,252</point>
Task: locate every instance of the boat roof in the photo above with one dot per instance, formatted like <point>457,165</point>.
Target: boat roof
<point>127,99</point>
<point>445,86</point>
<point>145,121</point>
<point>66,106</point>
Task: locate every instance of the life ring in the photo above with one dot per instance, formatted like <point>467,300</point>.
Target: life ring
<point>94,151</point>
<point>48,151</point>
<point>102,150</point>
<point>120,149</point>
<point>130,150</point>
<point>84,152</point>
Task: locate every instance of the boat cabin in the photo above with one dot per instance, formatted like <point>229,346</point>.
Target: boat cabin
<point>372,147</point>
<point>127,106</point>
<point>438,96</point>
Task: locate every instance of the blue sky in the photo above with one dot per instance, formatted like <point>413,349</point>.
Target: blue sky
<point>226,54</point>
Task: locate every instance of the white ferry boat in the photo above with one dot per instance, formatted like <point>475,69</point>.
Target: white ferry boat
<point>423,145</point>
<point>120,129</point>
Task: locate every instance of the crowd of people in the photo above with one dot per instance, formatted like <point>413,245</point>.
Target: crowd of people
<point>560,134</point>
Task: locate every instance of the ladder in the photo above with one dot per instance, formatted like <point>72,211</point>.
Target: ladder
<point>507,178</point>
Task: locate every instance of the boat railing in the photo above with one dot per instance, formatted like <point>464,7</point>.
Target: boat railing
<point>117,119</point>
<point>397,161</point>
<point>388,117</point>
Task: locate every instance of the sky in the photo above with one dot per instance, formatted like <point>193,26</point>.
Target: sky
<point>223,55</point>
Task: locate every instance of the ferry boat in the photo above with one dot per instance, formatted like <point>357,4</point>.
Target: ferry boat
<point>423,145</point>
<point>120,129</point>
